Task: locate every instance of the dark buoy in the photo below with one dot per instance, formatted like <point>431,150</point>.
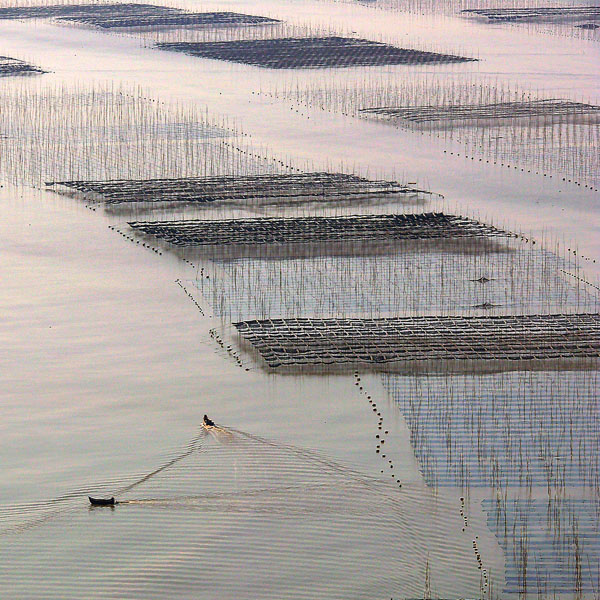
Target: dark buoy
<point>102,501</point>
<point>208,422</point>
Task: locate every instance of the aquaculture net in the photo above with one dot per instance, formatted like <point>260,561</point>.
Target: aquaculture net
<point>313,342</point>
<point>310,52</point>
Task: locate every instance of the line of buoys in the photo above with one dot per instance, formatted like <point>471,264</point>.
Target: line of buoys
<point>484,573</point>
<point>228,348</point>
<point>580,279</point>
<point>378,437</point>
<point>463,513</point>
<point>190,296</point>
<point>134,240</point>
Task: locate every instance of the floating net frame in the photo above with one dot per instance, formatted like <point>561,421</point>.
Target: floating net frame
<point>302,230</point>
<point>238,188</point>
<point>130,15</point>
<point>26,10</point>
<point>549,109</point>
<point>172,20</point>
<point>304,53</point>
<point>317,343</point>
<point>537,14</point>
<point>13,66</point>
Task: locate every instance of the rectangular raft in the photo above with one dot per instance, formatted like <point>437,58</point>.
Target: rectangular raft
<point>238,189</point>
<point>359,228</point>
<point>310,52</point>
<point>313,342</point>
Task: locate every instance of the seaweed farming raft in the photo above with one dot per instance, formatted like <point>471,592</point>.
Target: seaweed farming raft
<point>237,189</point>
<point>315,52</point>
<point>537,15</point>
<point>316,342</point>
<point>119,16</point>
<point>172,18</point>
<point>82,10</point>
<point>12,66</point>
<point>316,229</point>
<point>563,110</point>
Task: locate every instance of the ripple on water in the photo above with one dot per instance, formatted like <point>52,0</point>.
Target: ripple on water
<point>240,516</point>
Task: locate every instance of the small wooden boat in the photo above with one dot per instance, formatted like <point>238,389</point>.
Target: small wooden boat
<point>102,501</point>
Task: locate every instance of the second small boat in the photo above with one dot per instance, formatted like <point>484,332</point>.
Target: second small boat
<point>102,501</point>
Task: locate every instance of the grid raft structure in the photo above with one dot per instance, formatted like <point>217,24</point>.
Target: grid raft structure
<point>549,109</point>
<point>173,18</point>
<point>315,52</point>
<point>12,66</point>
<point>115,16</point>
<point>82,10</point>
<point>316,229</point>
<point>327,186</point>
<point>316,342</point>
<point>522,15</point>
